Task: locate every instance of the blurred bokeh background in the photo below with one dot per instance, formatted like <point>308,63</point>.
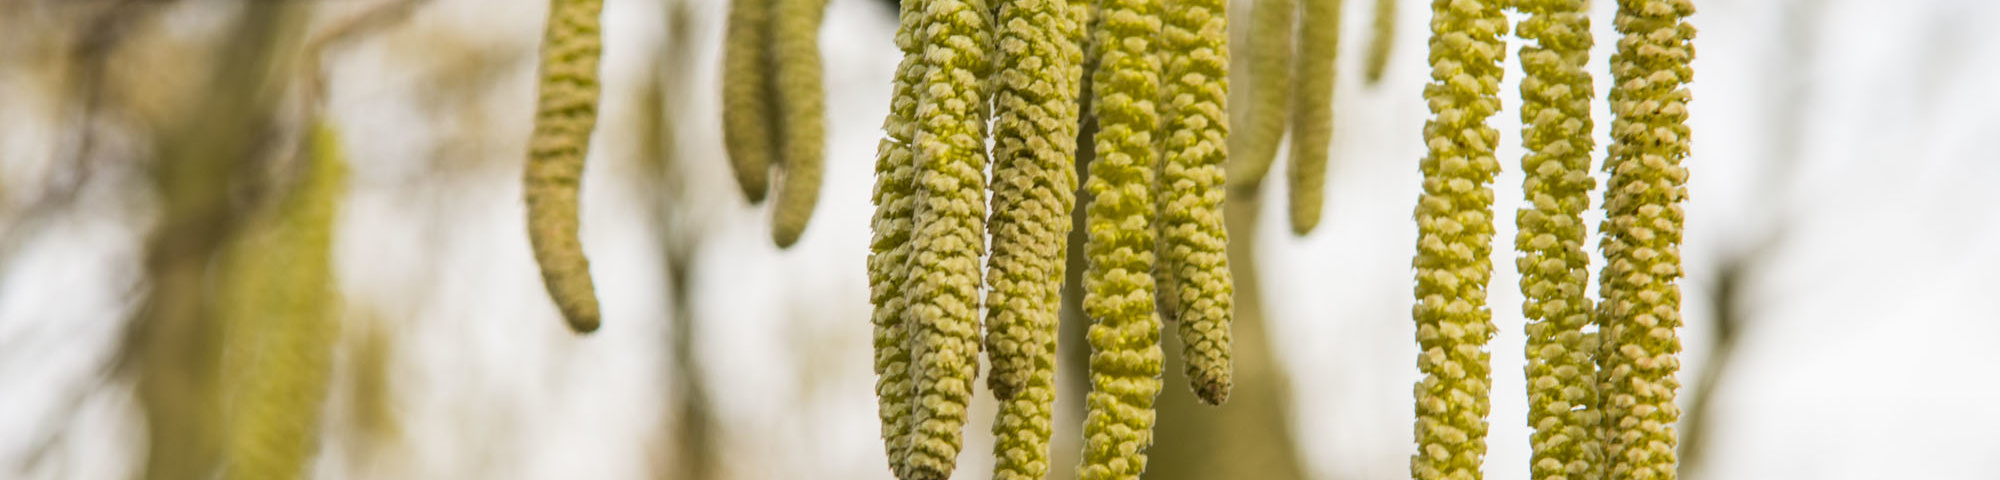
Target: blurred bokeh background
<point>1840,249</point>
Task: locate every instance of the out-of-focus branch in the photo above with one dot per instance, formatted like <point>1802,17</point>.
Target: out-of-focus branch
<point>201,160</point>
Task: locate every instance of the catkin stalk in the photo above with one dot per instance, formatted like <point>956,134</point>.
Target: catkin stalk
<point>1640,311</point>
<point>1382,41</point>
<point>565,112</point>
<point>1455,239</point>
<point>1312,112</point>
<point>1270,47</point>
<point>1034,189</point>
<point>949,236</point>
<point>888,260</point>
<point>801,113</point>
<point>749,113</point>
<point>1125,359</point>
<point>281,309</point>
<point>1555,114</point>
<point>1193,239</point>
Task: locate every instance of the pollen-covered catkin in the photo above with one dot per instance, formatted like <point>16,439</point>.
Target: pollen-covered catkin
<point>1192,254</point>
<point>801,113</point>
<point>949,235</point>
<point>1270,47</point>
<point>1382,41</point>
<point>1034,185</point>
<point>565,112</point>
<point>749,113</point>
<point>280,307</point>
<point>889,249</point>
<point>1034,188</point>
<point>1639,313</point>
<point>1312,112</point>
<point>1455,239</point>
<point>1125,358</point>
<point>1555,114</point>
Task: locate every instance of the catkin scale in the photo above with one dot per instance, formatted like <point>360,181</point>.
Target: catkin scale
<point>949,235</point>
<point>1454,239</point>
<point>1270,47</point>
<point>1555,114</point>
<point>749,113</point>
<point>888,260</point>
<point>565,113</point>
<point>1639,314</point>
<point>1381,42</point>
<point>801,111</point>
<point>1125,359</point>
<point>1193,259</point>
<point>1312,112</point>
<point>1034,188</point>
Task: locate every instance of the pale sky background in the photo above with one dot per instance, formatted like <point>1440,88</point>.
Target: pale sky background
<point>1866,129</point>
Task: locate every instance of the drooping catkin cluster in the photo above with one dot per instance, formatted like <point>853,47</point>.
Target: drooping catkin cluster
<point>928,222</point>
<point>1312,112</point>
<point>1555,112</point>
<point>565,113</point>
<point>1125,358</point>
<point>1034,189</point>
<point>1270,44</point>
<point>1382,40</point>
<point>1455,239</point>
<point>1193,261</point>
<point>281,310</point>
<point>1640,310</point>
<point>774,108</point>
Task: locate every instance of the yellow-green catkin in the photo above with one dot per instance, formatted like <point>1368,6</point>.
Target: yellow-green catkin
<point>1555,114</point>
<point>1125,358</point>
<point>1270,47</point>
<point>1034,188</point>
<point>1639,313</point>
<point>801,113</point>
<point>1381,42</point>
<point>1455,239</point>
<point>749,113</point>
<point>1192,187</point>
<point>280,306</point>
<point>949,235</point>
<point>1312,112</point>
<point>565,112</point>
<point>889,250</point>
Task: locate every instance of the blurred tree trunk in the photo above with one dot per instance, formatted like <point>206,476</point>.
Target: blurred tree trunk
<point>689,443</point>
<point>200,163</point>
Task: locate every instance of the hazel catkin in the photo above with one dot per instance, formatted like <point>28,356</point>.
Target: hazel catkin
<point>565,113</point>
<point>1192,254</point>
<point>801,109</point>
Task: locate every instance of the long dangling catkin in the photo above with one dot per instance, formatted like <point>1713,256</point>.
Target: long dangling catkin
<point>281,308</point>
<point>1312,112</point>
<point>1125,358</point>
<point>1382,40</point>
<point>1034,188</point>
<point>1270,47</point>
<point>949,235</point>
<point>1555,114</point>
<point>565,112</point>
<point>888,260</point>
<point>1192,187</point>
<point>749,113</point>
<point>1640,310</point>
<point>801,113</point>
<point>1455,239</point>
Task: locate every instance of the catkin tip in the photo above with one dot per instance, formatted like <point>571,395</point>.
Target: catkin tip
<point>1213,391</point>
